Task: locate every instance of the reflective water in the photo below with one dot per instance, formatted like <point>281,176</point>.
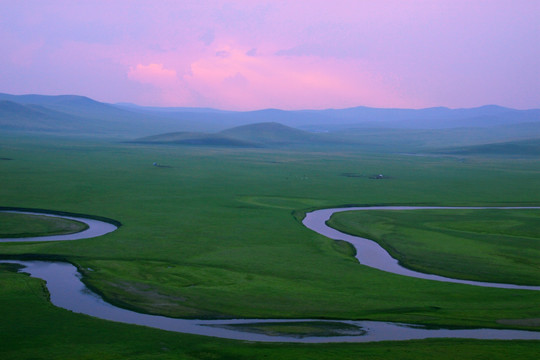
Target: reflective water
<point>95,228</point>
<point>68,292</point>
<point>369,253</point>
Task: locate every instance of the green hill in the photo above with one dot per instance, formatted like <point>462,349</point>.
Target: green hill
<point>194,138</point>
<point>269,133</point>
<point>254,135</point>
<point>81,115</point>
<point>434,140</point>
<point>359,128</point>
<point>522,148</point>
<point>15,116</point>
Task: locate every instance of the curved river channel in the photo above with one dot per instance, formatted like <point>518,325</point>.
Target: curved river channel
<point>371,254</point>
<point>95,228</point>
<point>68,292</point>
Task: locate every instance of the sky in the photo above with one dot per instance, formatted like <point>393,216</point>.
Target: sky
<point>294,54</point>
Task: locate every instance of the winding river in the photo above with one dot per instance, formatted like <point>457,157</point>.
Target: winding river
<point>371,254</point>
<point>68,292</point>
<point>95,228</point>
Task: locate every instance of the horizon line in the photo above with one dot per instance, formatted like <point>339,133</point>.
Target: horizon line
<point>172,107</point>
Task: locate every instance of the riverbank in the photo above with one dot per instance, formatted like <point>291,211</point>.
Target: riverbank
<point>92,227</point>
<point>370,253</point>
<point>68,292</point>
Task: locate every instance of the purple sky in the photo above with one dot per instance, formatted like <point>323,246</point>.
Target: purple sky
<point>244,55</point>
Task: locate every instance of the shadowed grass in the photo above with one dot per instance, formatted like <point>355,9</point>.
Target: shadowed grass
<point>22,225</point>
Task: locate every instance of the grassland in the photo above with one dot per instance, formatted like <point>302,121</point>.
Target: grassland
<point>21,225</point>
<point>214,236</point>
<point>529,147</point>
<point>33,329</point>
<point>483,245</point>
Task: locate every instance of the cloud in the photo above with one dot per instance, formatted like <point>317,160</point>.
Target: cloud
<point>246,54</point>
<point>222,54</point>
<point>339,51</point>
<point>243,82</point>
<point>154,74</point>
<point>329,39</point>
<point>238,80</point>
<point>208,37</point>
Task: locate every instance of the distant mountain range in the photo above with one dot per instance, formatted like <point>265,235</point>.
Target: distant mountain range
<point>335,119</point>
<point>368,128</point>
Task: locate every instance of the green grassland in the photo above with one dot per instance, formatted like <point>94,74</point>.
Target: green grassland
<point>300,329</point>
<point>34,329</point>
<point>483,245</point>
<point>217,235</point>
<point>21,225</point>
<point>529,147</point>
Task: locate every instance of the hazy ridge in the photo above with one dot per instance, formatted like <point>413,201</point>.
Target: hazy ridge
<point>361,127</point>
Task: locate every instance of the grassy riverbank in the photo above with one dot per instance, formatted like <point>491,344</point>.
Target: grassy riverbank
<point>213,235</point>
<point>483,245</point>
<point>23,225</point>
<point>29,334</point>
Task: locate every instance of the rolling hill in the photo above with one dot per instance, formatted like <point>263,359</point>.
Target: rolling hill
<point>270,133</point>
<point>418,140</point>
<point>511,148</point>
<point>81,115</point>
<point>194,138</point>
<point>338,119</point>
<point>253,135</point>
<point>361,128</point>
<point>17,116</point>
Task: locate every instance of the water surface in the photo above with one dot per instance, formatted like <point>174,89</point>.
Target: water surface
<point>68,292</point>
<point>370,253</point>
<point>95,228</point>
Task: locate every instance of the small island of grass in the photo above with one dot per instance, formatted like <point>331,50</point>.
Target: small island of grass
<point>299,329</point>
<point>14,225</point>
<point>499,246</point>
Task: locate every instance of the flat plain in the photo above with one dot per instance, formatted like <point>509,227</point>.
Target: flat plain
<point>215,233</point>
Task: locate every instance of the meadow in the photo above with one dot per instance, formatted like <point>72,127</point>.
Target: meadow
<point>23,225</point>
<point>215,233</point>
<point>484,245</point>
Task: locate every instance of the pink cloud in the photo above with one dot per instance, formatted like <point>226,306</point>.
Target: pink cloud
<point>242,81</point>
<point>154,74</point>
<point>243,54</point>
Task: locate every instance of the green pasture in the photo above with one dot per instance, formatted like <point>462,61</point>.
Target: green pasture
<point>216,234</point>
<point>34,329</point>
<point>14,225</point>
<point>483,245</point>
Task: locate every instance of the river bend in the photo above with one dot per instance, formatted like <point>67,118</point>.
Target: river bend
<point>67,291</point>
<point>95,228</point>
<point>371,254</point>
